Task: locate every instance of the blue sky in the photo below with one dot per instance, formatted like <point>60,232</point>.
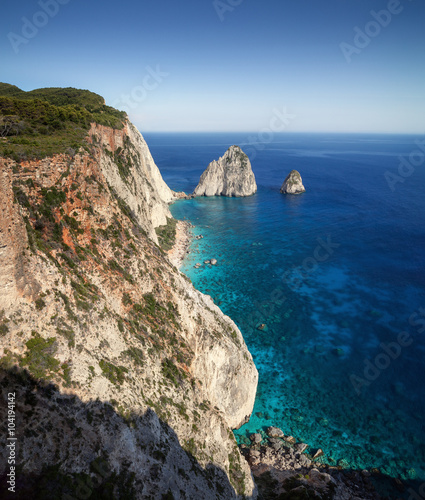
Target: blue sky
<point>228,65</point>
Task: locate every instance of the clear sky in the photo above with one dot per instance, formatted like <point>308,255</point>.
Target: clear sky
<point>228,65</point>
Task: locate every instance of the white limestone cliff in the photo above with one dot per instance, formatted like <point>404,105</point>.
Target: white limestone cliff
<point>146,372</point>
<point>231,175</point>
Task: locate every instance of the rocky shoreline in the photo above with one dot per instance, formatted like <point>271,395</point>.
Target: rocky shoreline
<point>182,243</point>
<point>284,469</point>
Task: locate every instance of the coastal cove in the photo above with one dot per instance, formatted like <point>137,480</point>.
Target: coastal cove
<point>327,287</point>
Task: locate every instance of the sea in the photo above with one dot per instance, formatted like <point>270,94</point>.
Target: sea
<point>327,287</point>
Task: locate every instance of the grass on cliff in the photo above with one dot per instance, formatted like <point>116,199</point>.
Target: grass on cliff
<point>167,234</point>
<point>50,121</point>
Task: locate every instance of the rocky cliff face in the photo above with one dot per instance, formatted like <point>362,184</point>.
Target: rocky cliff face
<point>127,379</point>
<point>293,184</point>
<point>231,175</point>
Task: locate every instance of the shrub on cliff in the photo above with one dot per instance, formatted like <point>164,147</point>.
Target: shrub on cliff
<point>58,119</point>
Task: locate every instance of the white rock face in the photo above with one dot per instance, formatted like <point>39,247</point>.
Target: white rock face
<point>144,189</point>
<point>231,175</point>
<point>293,184</point>
<point>186,376</point>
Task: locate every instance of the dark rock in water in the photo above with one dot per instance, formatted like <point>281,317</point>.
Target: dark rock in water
<point>399,388</point>
<point>338,351</point>
<point>318,453</point>
<point>244,440</point>
<point>324,422</point>
<point>290,440</point>
<point>301,447</point>
<point>293,184</point>
<point>262,327</point>
<point>256,438</point>
<point>275,432</point>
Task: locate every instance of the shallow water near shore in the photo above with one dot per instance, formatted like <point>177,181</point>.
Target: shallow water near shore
<point>326,287</point>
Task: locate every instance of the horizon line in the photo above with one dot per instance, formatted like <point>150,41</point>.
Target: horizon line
<point>275,133</point>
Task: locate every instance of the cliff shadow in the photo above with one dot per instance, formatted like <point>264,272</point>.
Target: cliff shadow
<point>46,434</point>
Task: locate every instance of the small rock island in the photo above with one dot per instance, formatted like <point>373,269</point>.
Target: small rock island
<point>293,184</point>
<point>231,175</point>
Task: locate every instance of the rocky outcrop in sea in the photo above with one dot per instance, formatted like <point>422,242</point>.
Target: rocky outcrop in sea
<point>293,184</point>
<point>283,468</point>
<point>231,175</point>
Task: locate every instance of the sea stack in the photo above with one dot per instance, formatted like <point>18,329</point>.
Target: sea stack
<point>293,184</point>
<point>231,175</point>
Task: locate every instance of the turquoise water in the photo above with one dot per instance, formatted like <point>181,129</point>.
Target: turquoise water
<point>336,275</point>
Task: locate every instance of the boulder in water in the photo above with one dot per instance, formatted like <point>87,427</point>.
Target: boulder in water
<point>293,184</point>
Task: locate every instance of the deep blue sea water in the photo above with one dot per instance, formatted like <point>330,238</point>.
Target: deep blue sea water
<point>337,275</point>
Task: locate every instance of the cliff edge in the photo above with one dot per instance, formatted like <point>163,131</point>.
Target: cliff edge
<point>127,380</point>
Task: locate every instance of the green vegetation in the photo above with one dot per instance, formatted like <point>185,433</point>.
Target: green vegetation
<point>52,198</point>
<point>39,356</point>
<point>126,299</point>
<point>241,156</point>
<point>237,475</point>
<point>160,319</point>
<point>3,324</point>
<point>116,374</point>
<point>40,304</point>
<point>190,446</point>
<point>167,234</point>
<point>135,354</point>
<point>114,266</point>
<point>3,329</point>
<point>8,360</point>
<point>50,121</point>
<point>68,333</point>
<point>170,371</point>
<point>99,482</point>
<point>123,163</point>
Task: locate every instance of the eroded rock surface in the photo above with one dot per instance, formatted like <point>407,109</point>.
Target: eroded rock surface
<point>293,184</point>
<point>231,175</point>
